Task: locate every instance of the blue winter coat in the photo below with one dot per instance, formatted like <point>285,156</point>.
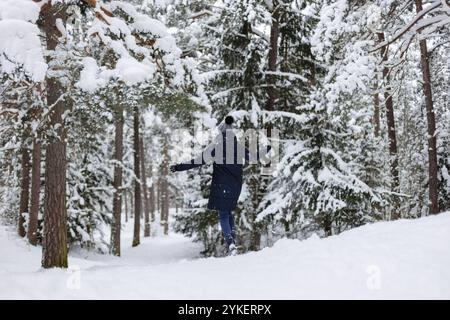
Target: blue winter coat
<point>226,182</point>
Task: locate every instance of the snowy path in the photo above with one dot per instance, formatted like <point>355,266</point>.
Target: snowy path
<point>151,251</point>
<point>402,259</point>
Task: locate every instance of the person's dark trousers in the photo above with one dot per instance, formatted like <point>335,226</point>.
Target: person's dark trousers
<point>227,225</point>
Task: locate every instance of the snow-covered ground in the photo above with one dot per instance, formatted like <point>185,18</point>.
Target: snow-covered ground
<point>407,259</point>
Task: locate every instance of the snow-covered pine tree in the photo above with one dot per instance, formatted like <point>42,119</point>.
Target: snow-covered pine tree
<point>89,174</point>
<point>440,70</point>
<point>425,25</point>
<point>22,69</point>
<point>319,187</point>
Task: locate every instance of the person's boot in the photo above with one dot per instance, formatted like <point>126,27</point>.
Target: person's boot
<point>232,250</point>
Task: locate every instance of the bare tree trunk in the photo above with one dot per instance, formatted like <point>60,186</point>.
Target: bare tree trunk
<point>24,190</point>
<point>327,226</point>
<point>165,189</point>
<point>158,195</point>
<point>152,195</point>
<point>159,200</point>
<point>145,191</point>
<point>376,111</point>
<point>125,199</point>
<point>255,241</point>
<point>390,119</point>
<point>272,96</point>
<point>117,184</point>
<point>131,204</point>
<point>35,192</point>
<point>433,182</point>
<point>273,57</point>
<point>137,183</point>
<point>55,225</point>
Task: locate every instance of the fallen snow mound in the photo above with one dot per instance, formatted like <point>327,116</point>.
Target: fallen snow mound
<point>406,259</point>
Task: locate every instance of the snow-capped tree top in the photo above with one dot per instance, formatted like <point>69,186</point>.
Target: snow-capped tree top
<point>20,46</point>
<point>26,10</point>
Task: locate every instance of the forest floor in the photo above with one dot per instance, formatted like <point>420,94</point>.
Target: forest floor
<point>406,259</point>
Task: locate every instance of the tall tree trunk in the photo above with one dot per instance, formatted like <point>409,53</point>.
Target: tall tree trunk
<point>152,195</point>
<point>158,195</point>
<point>55,225</point>
<point>165,189</point>
<point>24,190</point>
<point>433,182</point>
<point>35,192</point>
<point>117,184</point>
<point>376,110</point>
<point>255,240</point>
<point>125,199</point>
<point>390,119</point>
<point>273,57</point>
<point>272,96</point>
<point>137,183</point>
<point>131,204</point>
<point>327,226</point>
<point>145,190</point>
<point>162,210</point>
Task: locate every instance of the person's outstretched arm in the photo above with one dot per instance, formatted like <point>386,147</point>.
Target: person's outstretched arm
<point>205,157</point>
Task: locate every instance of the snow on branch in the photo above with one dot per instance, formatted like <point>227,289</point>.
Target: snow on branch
<point>276,115</point>
<point>20,46</point>
<point>289,75</point>
<point>140,47</point>
<point>200,14</point>
<point>440,9</point>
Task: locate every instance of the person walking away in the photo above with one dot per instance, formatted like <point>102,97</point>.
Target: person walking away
<point>226,185</point>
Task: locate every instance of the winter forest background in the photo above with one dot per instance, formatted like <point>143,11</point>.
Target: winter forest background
<point>93,91</point>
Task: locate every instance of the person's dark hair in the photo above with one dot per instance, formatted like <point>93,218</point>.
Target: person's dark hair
<point>229,120</point>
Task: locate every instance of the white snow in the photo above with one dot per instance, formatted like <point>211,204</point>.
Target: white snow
<point>148,25</point>
<point>132,71</point>
<point>61,27</point>
<point>20,46</point>
<point>88,76</point>
<point>406,259</point>
<point>141,22</point>
<point>127,69</point>
<point>25,10</point>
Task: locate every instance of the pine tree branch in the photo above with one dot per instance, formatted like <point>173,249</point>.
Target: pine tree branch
<point>408,26</point>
